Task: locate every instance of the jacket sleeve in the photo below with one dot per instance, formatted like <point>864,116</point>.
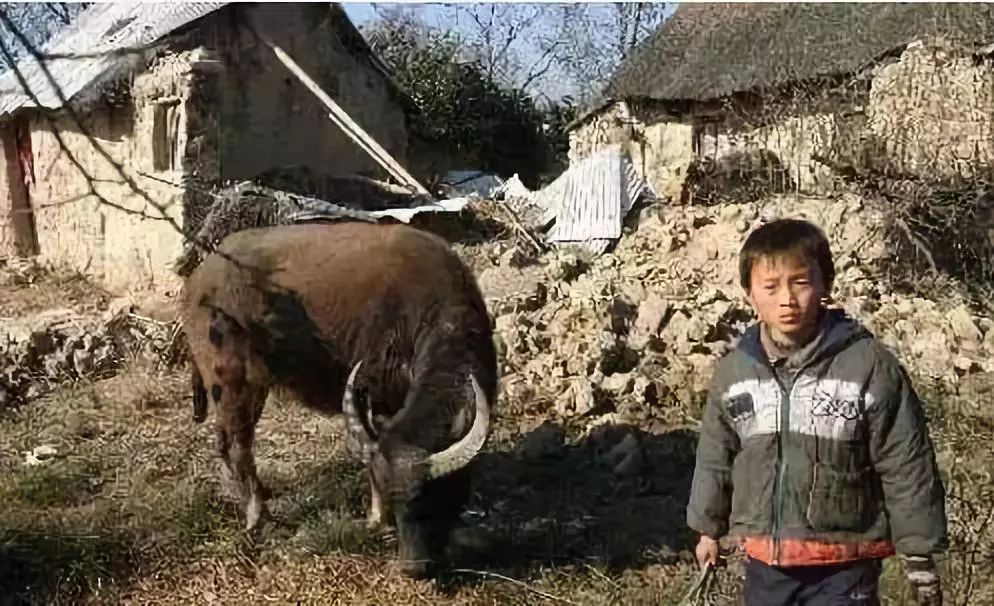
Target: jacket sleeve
<point>902,455</point>
<point>711,490</point>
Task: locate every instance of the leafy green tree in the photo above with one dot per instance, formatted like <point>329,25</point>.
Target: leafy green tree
<point>495,127</point>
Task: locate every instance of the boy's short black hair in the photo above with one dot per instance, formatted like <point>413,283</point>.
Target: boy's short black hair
<point>787,237</point>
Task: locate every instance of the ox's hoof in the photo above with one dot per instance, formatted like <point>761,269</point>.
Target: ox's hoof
<point>375,523</point>
<point>255,512</point>
<point>376,519</point>
<point>228,484</point>
<point>414,569</point>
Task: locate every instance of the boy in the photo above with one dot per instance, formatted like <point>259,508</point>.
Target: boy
<point>814,449</point>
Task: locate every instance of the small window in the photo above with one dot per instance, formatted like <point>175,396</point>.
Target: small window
<point>705,139</point>
<point>165,136</point>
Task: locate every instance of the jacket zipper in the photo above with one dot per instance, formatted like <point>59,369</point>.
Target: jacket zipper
<point>784,429</point>
<point>782,467</point>
<point>781,472</point>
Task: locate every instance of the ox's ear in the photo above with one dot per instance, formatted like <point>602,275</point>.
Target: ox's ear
<point>459,455</point>
<point>354,425</point>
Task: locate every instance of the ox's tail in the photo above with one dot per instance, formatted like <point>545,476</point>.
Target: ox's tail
<point>199,393</point>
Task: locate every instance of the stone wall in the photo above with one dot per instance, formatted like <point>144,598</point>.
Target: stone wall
<point>659,146</point>
<point>931,113</point>
<point>609,126</point>
<point>928,114</point>
<point>735,137</point>
<point>125,235</point>
<point>789,142</point>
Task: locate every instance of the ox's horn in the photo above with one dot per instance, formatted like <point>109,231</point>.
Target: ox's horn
<point>458,455</point>
<point>353,422</point>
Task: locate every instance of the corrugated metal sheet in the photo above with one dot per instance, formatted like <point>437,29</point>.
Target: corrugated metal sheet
<point>93,46</point>
<point>405,215</point>
<point>590,200</point>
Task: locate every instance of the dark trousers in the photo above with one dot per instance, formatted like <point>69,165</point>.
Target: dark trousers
<point>850,583</point>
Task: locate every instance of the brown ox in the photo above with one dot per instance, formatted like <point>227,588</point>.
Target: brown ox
<point>382,322</point>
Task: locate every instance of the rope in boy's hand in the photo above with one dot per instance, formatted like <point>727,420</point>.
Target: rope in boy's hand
<point>701,587</point>
<point>924,580</point>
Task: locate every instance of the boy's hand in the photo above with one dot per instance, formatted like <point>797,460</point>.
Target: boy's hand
<point>707,551</point>
<point>924,580</point>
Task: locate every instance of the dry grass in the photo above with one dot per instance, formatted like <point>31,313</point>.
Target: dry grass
<point>130,511</point>
<point>26,288</point>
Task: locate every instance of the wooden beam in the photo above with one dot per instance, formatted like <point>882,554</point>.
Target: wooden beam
<point>348,125</point>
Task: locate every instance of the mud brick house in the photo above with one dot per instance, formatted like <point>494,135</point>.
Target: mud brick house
<point>155,102</point>
<point>792,94</point>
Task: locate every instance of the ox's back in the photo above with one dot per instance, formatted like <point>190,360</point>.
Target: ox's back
<point>340,264</point>
<point>316,298</point>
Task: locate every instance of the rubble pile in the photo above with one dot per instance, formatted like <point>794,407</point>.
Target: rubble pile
<point>631,335</point>
<point>41,350</point>
<point>636,332</point>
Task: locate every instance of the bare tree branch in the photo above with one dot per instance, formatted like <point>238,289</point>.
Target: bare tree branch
<point>548,58</point>
<point>60,13</point>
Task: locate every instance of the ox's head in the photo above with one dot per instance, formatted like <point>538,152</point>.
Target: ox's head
<point>425,491</point>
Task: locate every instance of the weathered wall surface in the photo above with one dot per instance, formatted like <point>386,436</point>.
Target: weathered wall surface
<point>928,114</point>
<point>931,113</point>
<point>667,153</point>
<point>269,119</point>
<point>790,142</point>
<point>128,245</point>
<point>128,248</point>
<point>660,147</point>
<point>7,240</point>
<point>610,126</point>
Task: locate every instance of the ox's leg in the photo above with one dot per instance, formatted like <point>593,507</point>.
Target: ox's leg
<point>377,515</point>
<point>238,414</point>
<point>379,507</point>
<point>239,401</point>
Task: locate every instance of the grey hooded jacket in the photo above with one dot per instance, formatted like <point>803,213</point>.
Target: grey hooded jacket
<point>829,446</point>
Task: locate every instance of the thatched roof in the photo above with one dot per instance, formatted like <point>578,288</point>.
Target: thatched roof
<point>706,51</point>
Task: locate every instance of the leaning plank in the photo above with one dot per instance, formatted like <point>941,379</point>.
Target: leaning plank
<point>348,125</point>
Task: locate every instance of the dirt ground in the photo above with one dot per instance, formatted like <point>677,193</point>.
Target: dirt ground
<point>110,495</point>
<point>128,510</point>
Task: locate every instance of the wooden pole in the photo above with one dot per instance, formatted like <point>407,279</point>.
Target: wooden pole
<point>348,125</point>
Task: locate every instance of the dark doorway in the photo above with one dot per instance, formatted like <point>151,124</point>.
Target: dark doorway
<point>19,160</point>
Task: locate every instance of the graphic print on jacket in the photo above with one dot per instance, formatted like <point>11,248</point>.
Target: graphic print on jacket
<point>815,445</point>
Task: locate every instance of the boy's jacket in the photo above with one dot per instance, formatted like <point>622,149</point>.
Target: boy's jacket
<point>824,457</point>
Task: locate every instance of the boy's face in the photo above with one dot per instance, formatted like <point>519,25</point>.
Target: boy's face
<point>787,292</point>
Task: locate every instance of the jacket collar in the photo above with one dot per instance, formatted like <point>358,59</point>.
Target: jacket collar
<point>838,331</point>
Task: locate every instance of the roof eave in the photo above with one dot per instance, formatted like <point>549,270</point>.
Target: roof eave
<point>589,113</point>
